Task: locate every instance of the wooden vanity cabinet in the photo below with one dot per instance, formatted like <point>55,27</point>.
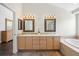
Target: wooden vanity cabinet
<point>21,42</point>
<point>39,42</point>
<point>49,42</point>
<point>35,42</point>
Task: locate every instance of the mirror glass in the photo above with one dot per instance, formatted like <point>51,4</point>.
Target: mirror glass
<point>8,24</point>
<point>19,24</point>
<point>28,25</point>
<point>50,25</point>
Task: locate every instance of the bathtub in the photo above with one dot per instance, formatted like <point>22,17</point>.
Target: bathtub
<point>69,47</point>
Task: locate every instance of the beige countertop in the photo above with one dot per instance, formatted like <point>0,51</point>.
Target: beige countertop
<point>37,34</point>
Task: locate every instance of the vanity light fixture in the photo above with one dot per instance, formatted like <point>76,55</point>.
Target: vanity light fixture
<point>28,17</point>
<point>50,17</point>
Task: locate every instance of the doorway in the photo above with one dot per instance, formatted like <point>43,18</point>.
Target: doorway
<point>6,30</point>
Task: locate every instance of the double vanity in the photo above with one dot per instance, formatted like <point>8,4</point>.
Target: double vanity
<point>38,42</point>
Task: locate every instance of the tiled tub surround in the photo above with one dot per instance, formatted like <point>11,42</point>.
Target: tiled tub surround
<point>38,42</point>
<point>69,47</point>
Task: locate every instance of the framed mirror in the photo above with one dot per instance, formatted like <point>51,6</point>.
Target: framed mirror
<point>28,25</point>
<point>50,25</point>
<point>19,24</point>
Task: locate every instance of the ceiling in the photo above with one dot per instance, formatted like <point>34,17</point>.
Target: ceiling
<point>67,6</point>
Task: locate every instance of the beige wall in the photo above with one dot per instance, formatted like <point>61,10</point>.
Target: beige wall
<point>65,20</point>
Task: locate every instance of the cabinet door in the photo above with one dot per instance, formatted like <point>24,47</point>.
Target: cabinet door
<point>49,42</point>
<point>3,36</point>
<point>42,42</point>
<point>35,42</point>
<point>28,42</point>
<point>21,42</point>
<point>9,35</point>
<point>56,43</point>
